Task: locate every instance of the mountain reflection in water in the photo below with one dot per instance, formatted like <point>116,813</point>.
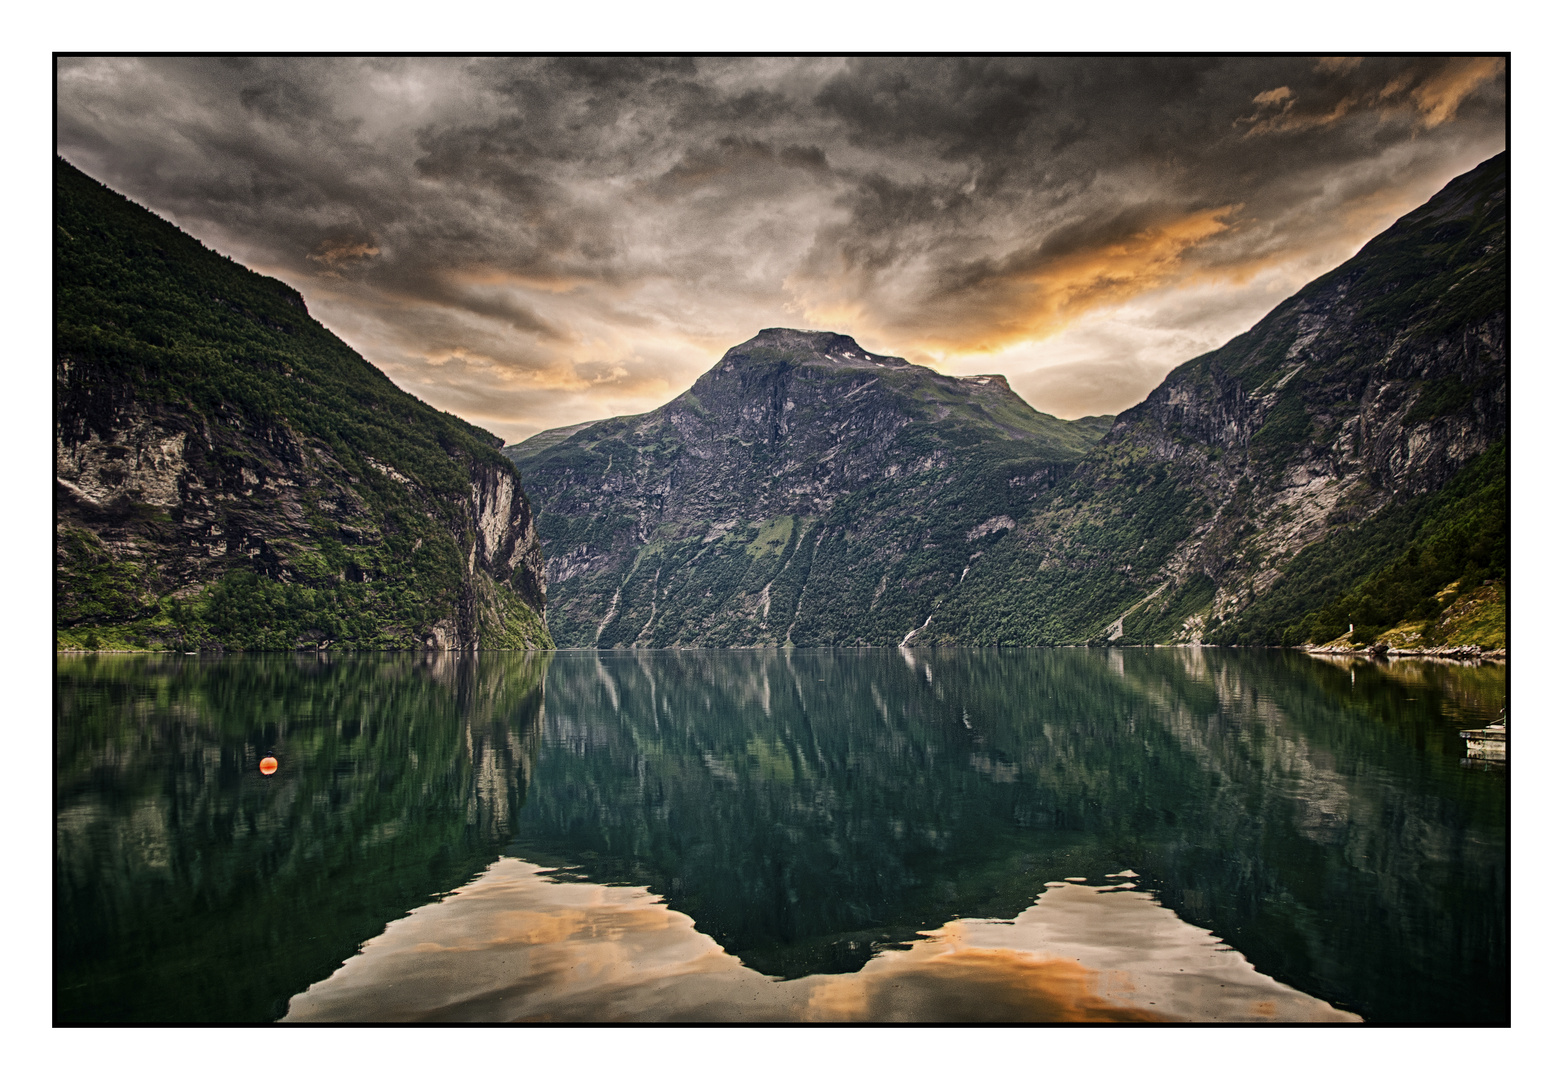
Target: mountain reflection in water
<point>513,945</point>
<point>191,888</point>
<point>853,833</point>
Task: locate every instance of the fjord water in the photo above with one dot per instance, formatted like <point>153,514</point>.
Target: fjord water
<point>859,834</point>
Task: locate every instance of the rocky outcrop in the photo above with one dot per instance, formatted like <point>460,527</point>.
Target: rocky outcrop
<point>1441,652</point>
<point>506,543</point>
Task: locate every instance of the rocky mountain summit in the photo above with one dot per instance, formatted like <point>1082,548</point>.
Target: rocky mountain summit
<point>803,490</point>
<point>229,474</point>
<point>1337,473</point>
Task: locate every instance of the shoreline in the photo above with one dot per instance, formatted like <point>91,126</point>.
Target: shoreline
<point>1442,652</point>
<point>1438,652</point>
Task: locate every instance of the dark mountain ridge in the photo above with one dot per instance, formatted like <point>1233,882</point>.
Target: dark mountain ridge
<point>803,490</point>
<point>230,474</point>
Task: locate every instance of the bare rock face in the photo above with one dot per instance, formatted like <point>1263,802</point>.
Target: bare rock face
<point>231,475</point>
<point>506,544</point>
<point>804,490</point>
<point>1361,398</point>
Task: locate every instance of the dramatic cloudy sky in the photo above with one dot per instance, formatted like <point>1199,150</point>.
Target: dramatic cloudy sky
<point>537,242</point>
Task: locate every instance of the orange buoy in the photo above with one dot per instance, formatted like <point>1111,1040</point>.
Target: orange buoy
<point>268,765</point>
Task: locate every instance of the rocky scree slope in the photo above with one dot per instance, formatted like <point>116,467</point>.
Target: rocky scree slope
<point>229,474</point>
<point>1337,473</point>
<point>802,491</point>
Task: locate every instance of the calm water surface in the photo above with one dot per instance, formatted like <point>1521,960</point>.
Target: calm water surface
<point>815,835</point>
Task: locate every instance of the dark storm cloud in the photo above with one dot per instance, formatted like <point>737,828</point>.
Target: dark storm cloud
<point>1182,165</point>
<point>734,167</point>
<point>593,226</point>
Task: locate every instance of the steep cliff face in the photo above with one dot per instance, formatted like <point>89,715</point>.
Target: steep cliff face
<point>1326,459</point>
<point>803,490</point>
<point>228,473</point>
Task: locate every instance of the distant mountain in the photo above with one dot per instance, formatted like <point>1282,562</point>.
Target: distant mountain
<point>1336,474</point>
<point>230,474</point>
<point>803,491</point>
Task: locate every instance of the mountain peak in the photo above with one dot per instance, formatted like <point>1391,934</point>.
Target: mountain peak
<point>820,347</point>
<point>803,490</point>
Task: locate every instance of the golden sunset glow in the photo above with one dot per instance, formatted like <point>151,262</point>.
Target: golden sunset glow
<point>1440,96</point>
<point>1031,303</point>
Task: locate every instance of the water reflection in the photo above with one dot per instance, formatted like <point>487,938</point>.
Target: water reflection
<point>885,823</point>
<point>515,946</point>
<point>191,887</point>
<point>806,807</point>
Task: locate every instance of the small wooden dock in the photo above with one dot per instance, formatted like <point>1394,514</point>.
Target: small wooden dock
<point>1490,743</point>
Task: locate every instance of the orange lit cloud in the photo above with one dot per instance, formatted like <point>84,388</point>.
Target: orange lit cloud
<point>1434,94</point>
<point>492,276</point>
<point>335,254</point>
<point>1116,272</point>
<point>1034,295</point>
<point>1441,95</point>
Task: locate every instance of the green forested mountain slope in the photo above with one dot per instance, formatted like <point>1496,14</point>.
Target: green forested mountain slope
<point>803,490</point>
<point>229,473</point>
<point>1341,466</point>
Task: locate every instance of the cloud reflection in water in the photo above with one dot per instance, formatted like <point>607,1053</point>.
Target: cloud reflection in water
<point>514,945</point>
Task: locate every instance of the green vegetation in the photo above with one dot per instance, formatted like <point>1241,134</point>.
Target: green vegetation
<point>1392,568</point>
<point>1441,268</point>
<point>1070,572</point>
<point>1286,425</point>
<point>1162,618</point>
<point>92,587</point>
<point>309,502</point>
<point>863,573</point>
<point>1444,396</point>
<point>1436,275</point>
<point>144,312</point>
